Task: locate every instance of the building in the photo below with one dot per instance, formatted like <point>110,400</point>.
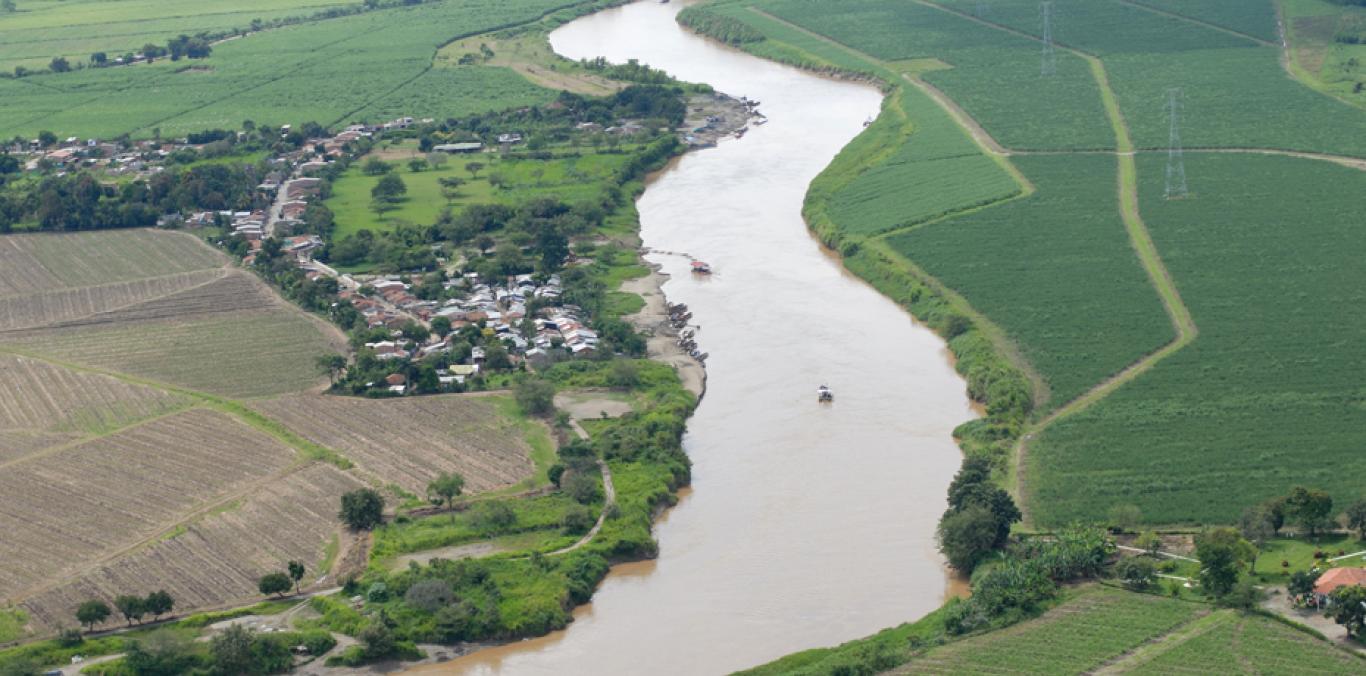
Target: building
<point>469,147</point>
<point>1335,578</point>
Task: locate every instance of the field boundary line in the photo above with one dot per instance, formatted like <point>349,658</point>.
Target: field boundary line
<point>230,407</point>
<point>1137,4</point>
<point>189,405</point>
<point>1163,643</point>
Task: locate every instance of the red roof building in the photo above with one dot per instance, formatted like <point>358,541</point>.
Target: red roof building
<point>1333,578</point>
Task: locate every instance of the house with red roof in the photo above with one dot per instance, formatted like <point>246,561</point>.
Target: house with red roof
<point>1336,578</point>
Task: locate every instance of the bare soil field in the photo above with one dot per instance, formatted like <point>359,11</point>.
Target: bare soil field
<point>219,558</point>
<point>67,508</point>
<point>17,444</point>
<point>410,441</point>
<point>40,263</point>
<point>39,397</point>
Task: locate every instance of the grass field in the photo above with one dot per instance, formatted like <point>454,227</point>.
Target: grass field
<point>1266,397</point>
<point>325,71</point>
<point>572,179</point>
<point>1256,18</point>
<point>1054,270</point>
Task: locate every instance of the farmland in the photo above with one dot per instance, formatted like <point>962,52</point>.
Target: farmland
<point>1054,270</point>
<point>325,71</point>
<point>1227,642</point>
<point>218,557</point>
<point>1257,19</point>
<point>995,75</point>
<point>39,263</point>
<point>77,28</point>
<point>409,441</point>
<point>77,504</point>
<point>1253,411</point>
<point>1095,626</point>
<point>181,339</point>
<point>36,396</point>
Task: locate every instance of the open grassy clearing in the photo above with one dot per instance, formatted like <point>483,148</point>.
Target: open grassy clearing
<point>1231,643</point>
<point>75,29</point>
<point>530,55</point>
<point>39,397</point>
<point>411,441</point>
<point>1299,553</point>
<point>325,71</point>
<point>70,507</point>
<point>1055,270</point>
<point>32,264</point>
<point>218,558</point>
<point>1264,398</point>
<point>995,76</point>
<point>573,178</point>
<point>1096,625</point>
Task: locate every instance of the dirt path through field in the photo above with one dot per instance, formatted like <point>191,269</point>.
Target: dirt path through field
<point>608,489</point>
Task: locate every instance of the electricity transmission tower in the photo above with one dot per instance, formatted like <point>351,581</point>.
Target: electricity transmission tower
<point>1176,161</point>
<point>1050,59</point>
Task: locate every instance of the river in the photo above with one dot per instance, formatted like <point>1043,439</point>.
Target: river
<point>807,525</point>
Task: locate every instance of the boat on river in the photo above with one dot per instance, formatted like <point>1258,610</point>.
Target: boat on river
<point>824,394</point>
<point>698,267</point>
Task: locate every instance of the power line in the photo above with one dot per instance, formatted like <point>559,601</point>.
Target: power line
<point>1176,160</point>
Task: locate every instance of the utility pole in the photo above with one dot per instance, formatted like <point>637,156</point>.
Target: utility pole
<point>1176,161</point>
<point>1050,59</point>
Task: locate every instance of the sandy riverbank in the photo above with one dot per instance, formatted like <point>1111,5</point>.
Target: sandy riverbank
<point>653,320</point>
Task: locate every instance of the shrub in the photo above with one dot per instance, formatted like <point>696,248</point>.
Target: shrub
<point>1137,574</point>
<point>577,519</point>
<point>582,488</point>
<point>429,595</point>
<point>490,517</point>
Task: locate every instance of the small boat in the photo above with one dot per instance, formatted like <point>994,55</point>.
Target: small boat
<point>761,122</point>
<point>701,268</point>
<point>823,393</point>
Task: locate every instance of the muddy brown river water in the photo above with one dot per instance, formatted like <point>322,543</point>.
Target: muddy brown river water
<point>807,525</point>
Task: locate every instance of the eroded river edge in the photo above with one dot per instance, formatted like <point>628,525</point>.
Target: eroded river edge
<point>806,525</point>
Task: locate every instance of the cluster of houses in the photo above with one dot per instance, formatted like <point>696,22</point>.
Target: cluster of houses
<point>501,308</point>
<point>140,159</point>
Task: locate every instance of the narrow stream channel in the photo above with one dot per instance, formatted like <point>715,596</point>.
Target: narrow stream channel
<point>807,525</point>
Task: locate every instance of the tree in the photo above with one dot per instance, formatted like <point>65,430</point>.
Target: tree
<point>1348,608</point>
<point>429,595</point>
<point>493,516</point>
<point>8,6</point>
<point>131,607</point>
<point>445,488</point>
<point>46,138</point>
<point>1137,573</point>
<point>375,167</point>
<point>332,364</point>
<point>92,613</point>
<point>274,583</point>
<point>233,651</point>
<point>362,509</point>
<point>498,181</point>
<point>1222,553</point>
<point>1149,542</point>
<point>967,536</point>
<point>1309,508</point>
<point>162,653</point>
<point>474,168</point>
<point>417,165</point>
<point>1355,516</point>
<point>536,396</point>
<point>1302,582</point>
<point>582,487</point>
<point>99,58</point>
<point>577,520</point>
<point>159,603</point>
<point>1257,524</point>
<point>390,188</point>
<point>296,573</point>
<point>1275,514</point>
<point>441,326</point>
<point>59,64</point>
<point>484,242</point>
<point>379,641</point>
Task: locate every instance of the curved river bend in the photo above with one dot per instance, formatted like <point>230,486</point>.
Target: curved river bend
<point>807,525</point>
